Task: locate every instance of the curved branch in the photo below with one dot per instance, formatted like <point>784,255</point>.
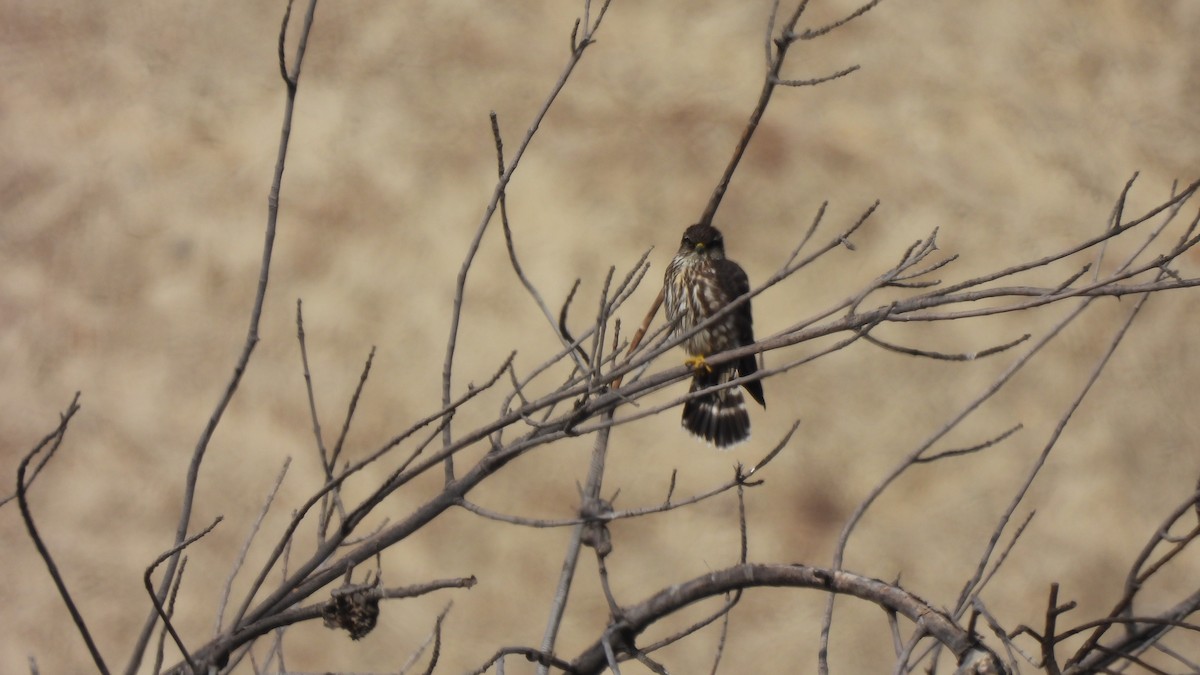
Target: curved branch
<point>888,596</point>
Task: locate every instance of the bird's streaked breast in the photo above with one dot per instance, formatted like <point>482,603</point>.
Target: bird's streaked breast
<point>692,294</point>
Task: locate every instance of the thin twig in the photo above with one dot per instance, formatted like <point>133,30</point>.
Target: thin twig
<point>823,30</point>
<point>54,439</point>
<point>334,501</point>
<point>734,598</point>
<point>160,647</point>
<point>969,450</point>
<point>354,398</point>
<point>437,641</point>
<point>942,356</point>
<point>971,593</point>
<point>322,452</point>
<point>435,634</point>
<point>241,557</point>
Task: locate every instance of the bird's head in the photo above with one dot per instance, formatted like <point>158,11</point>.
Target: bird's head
<point>704,241</point>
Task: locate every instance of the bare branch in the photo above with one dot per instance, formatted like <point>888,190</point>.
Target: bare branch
<point>291,79</point>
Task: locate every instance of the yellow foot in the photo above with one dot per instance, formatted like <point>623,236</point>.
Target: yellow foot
<point>697,363</point>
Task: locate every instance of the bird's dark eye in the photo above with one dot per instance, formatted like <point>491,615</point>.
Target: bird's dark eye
<point>687,241</point>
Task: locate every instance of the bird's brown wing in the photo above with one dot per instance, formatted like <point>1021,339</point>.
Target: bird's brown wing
<point>735,283</point>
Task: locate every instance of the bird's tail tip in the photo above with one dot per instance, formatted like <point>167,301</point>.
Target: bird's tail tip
<point>720,418</point>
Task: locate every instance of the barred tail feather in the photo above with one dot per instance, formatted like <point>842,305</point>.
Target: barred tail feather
<point>721,417</point>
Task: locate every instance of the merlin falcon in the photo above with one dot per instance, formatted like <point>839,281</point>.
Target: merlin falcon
<point>699,282</point>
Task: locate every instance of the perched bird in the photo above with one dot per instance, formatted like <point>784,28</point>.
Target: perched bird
<point>699,282</point>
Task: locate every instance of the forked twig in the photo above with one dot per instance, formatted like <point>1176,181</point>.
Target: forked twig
<point>54,440</point>
<point>158,605</point>
<point>160,647</point>
<point>775,59</point>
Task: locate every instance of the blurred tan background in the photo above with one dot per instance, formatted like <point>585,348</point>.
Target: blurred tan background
<point>138,143</point>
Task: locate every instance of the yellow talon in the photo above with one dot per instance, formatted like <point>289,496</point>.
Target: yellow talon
<point>697,362</point>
